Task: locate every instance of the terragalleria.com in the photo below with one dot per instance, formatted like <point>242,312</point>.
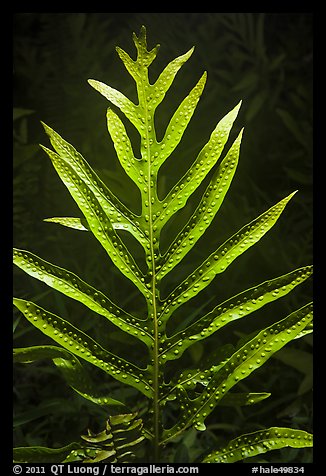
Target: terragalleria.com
<point>57,469</point>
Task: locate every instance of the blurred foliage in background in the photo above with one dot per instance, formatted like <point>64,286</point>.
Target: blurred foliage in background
<point>265,59</point>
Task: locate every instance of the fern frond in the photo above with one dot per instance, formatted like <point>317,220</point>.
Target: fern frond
<point>239,366</point>
<point>258,442</point>
<point>200,390</point>
<point>116,444</point>
<point>237,307</point>
<point>72,286</point>
<point>76,341</point>
<point>219,260</point>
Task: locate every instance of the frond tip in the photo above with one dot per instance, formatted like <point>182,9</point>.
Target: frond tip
<point>252,444</point>
<point>144,56</point>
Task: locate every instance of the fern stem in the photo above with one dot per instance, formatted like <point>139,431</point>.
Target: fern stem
<point>155,357</point>
<point>156,371</point>
<point>152,302</point>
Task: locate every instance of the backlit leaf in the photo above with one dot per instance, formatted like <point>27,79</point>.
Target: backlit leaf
<point>69,222</point>
<point>220,259</point>
<point>40,454</point>
<point>98,221</point>
<point>72,286</point>
<point>83,346</point>
<point>204,213</point>
<point>205,161</point>
<point>258,442</point>
<point>205,388</point>
<point>240,365</point>
<point>237,307</point>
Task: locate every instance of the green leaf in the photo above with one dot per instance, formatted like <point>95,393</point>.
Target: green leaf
<point>144,57</point>
<point>72,286</point>
<point>82,225</point>
<point>243,399</point>
<point>204,213</point>
<point>307,330</point>
<point>111,204</point>
<point>132,166</point>
<point>207,158</point>
<point>219,260</point>
<point>119,100</point>
<point>177,125</point>
<point>189,378</point>
<point>116,443</point>
<point>81,345</point>
<point>199,390</point>
<point>138,70</point>
<point>74,164</point>
<point>70,367</point>
<point>164,81</point>
<point>240,365</point>
<point>69,222</point>
<point>237,307</point>
<point>258,442</point>
<point>92,205</point>
<point>40,454</point>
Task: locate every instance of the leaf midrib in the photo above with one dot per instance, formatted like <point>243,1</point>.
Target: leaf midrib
<point>153,306</point>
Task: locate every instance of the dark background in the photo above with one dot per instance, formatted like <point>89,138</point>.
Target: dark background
<point>266,60</point>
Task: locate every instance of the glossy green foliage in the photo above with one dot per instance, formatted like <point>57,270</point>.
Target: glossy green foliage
<point>105,216</point>
<point>252,444</point>
<point>239,366</point>
<point>116,444</point>
<point>40,454</point>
